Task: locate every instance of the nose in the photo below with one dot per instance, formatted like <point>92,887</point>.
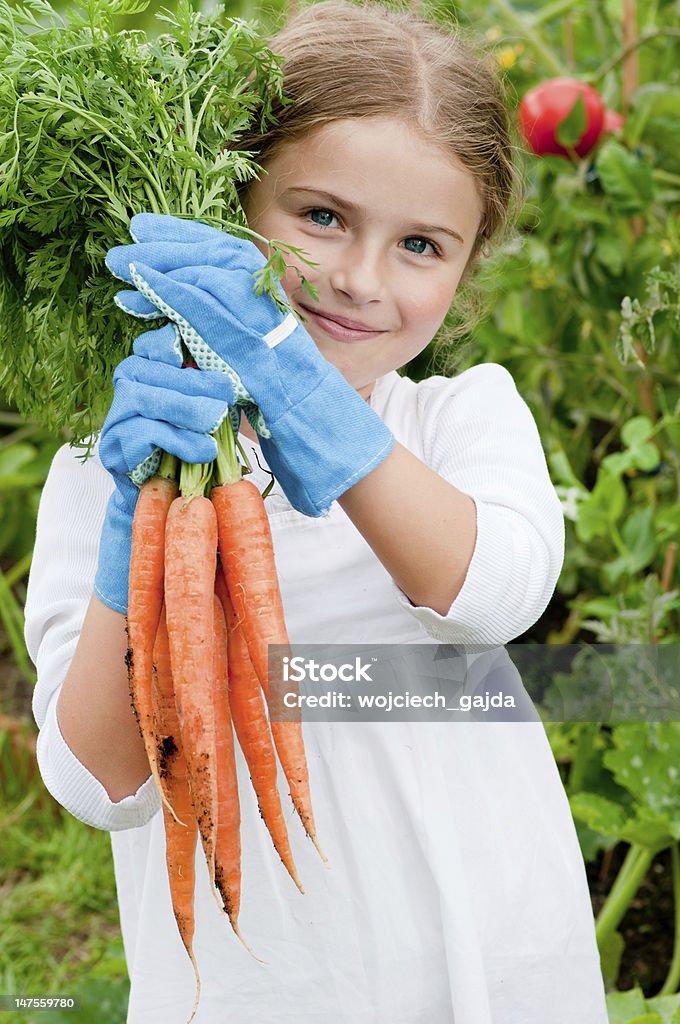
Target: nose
<point>359,273</point>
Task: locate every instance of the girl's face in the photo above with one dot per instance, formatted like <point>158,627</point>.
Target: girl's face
<point>390,220</point>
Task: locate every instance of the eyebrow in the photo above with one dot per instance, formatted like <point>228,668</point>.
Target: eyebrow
<point>333,200</point>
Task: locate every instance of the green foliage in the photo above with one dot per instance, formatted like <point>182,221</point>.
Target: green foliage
<point>632,1008</point>
<point>95,126</point>
<point>58,915</point>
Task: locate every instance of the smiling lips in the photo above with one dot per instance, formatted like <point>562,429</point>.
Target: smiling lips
<point>340,327</point>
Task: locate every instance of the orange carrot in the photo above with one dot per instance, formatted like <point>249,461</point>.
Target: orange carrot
<point>252,730</point>
<point>190,563</point>
<point>228,834</point>
<point>145,590</point>
<point>247,556</point>
<point>180,840</point>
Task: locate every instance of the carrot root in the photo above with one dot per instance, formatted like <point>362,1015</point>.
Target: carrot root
<point>252,582</point>
<point>144,608</point>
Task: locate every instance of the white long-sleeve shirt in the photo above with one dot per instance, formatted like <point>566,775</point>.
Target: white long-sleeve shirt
<point>457,891</point>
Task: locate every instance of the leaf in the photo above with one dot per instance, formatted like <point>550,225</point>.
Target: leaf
<point>668,1008</point>
<point>626,178</point>
<point>622,1007</point>
<point>602,815</point>
<point>611,952</point>
<point>645,761</point>
<point>571,129</point>
<point>603,507</point>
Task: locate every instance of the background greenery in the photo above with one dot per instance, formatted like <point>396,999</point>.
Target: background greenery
<point>583,307</point>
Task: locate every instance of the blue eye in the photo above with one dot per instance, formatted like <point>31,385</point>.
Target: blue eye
<point>323,218</point>
<point>417,245</point>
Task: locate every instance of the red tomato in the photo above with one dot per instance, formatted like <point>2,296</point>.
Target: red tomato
<point>544,107</point>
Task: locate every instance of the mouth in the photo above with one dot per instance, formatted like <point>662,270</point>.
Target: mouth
<point>340,327</point>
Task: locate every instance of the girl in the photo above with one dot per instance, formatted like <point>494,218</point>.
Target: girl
<point>402,513</point>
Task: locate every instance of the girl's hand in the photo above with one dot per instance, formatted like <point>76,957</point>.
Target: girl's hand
<point>156,407</point>
<point>169,243</point>
<point>319,436</point>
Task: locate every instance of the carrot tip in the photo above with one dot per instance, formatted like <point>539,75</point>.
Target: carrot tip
<point>243,942</point>
<point>198,985</point>
<point>323,856</point>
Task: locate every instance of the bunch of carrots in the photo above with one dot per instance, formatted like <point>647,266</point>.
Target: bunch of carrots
<point>204,604</point>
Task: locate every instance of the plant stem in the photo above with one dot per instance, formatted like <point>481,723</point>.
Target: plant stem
<point>646,37</point>
<point>194,478</point>
<point>553,11</point>
<point>19,569</point>
<point>579,764</point>
<point>168,467</point>
<point>228,469</point>
<point>531,35</point>
<point>670,985</point>
<point>633,870</point>
<point>87,116</point>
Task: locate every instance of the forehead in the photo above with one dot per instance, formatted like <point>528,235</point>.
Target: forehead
<point>380,164</point>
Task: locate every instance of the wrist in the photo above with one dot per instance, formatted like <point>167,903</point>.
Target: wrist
<point>325,444</point>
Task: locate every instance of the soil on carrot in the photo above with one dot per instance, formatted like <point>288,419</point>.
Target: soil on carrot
<point>647,927</point>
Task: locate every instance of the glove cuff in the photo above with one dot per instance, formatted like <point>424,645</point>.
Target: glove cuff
<point>325,444</point>
<point>115,547</point>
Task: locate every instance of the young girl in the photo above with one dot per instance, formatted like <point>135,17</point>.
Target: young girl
<point>401,513</point>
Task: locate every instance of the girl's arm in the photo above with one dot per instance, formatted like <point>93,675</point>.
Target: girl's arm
<point>89,750</point>
<point>470,528</point>
<point>421,527</point>
<point>94,712</point>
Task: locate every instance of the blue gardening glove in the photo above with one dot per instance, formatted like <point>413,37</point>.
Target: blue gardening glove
<point>169,243</point>
<point>319,436</point>
<point>157,406</point>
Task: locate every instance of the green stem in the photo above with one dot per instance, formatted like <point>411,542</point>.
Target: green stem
<point>670,985</point>
<point>618,540</point>
<point>194,479</point>
<point>200,115</point>
<point>579,764</point>
<point>189,174</point>
<point>168,467</point>
<point>87,116</point>
<point>553,11</point>
<point>666,176</point>
<point>18,570</point>
<point>646,37</point>
<point>228,469</point>
<point>633,870</point>
<point>532,36</point>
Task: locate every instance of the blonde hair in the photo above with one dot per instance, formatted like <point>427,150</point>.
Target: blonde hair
<point>343,60</point>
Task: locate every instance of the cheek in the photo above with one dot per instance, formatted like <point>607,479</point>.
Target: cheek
<point>430,306</point>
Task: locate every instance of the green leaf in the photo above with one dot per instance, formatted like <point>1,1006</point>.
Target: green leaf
<point>603,508</point>
<point>626,178</point>
<point>571,129</point>
<point>636,431</point>
<point>652,100</point>
<point>645,761</point>
<point>611,953</point>
<point>639,535</point>
<point>622,1007</point>
<point>668,1008</point>
<point>602,815</point>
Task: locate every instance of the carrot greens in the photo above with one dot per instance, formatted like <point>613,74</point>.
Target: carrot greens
<point>95,126</point>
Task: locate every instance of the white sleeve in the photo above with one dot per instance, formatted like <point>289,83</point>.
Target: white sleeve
<point>480,435</point>
<point>60,587</point>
